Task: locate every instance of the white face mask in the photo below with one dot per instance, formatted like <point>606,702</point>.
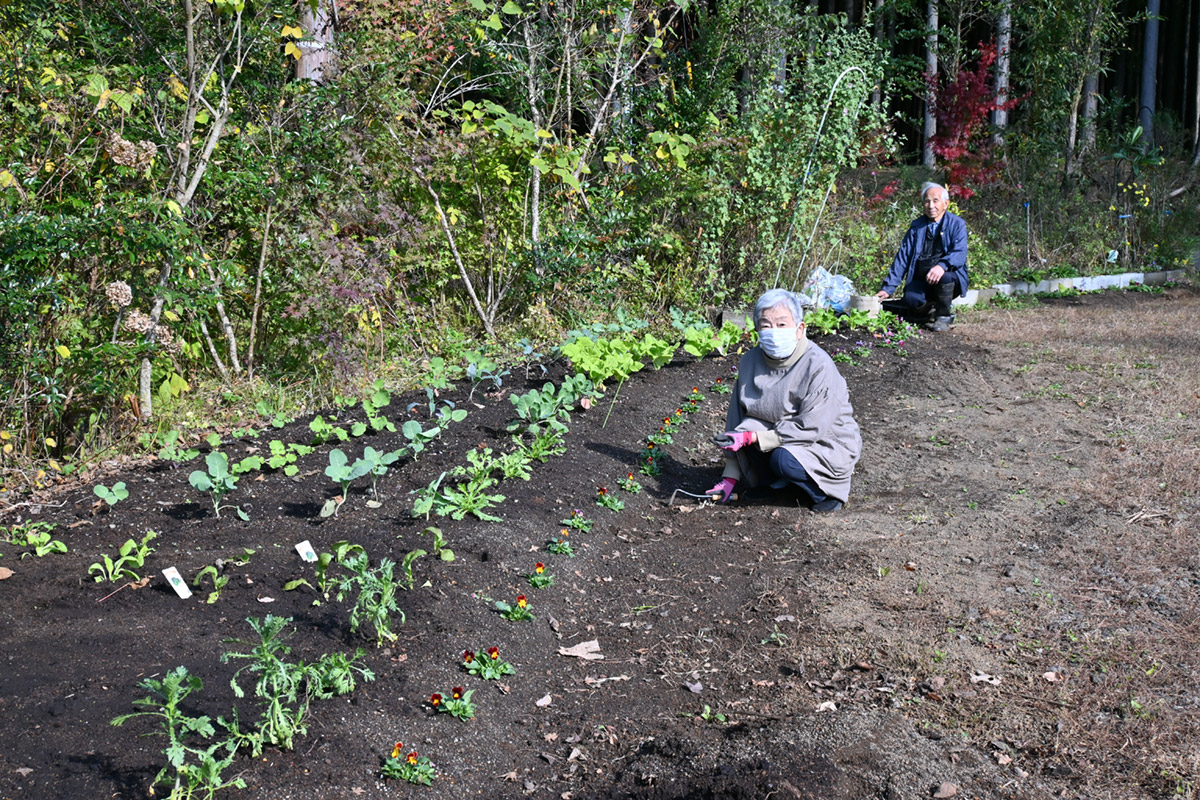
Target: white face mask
<point>778,343</point>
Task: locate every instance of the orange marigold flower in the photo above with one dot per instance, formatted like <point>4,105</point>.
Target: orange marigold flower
<point>539,568</point>
<point>493,653</point>
<point>436,700</point>
<point>521,603</point>
<point>468,656</point>
<point>412,757</point>
<point>396,749</point>
<point>457,692</point>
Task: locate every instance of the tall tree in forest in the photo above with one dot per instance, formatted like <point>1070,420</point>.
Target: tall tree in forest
<point>1149,83</point>
<point>1003,52</point>
<point>929,128</point>
<point>314,52</point>
<point>1091,106</point>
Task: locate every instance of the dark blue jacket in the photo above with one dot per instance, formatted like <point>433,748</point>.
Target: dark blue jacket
<point>954,242</point>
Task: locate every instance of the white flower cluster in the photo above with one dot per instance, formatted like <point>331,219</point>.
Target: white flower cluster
<point>127,154</point>
<point>137,322</point>
<point>119,294</point>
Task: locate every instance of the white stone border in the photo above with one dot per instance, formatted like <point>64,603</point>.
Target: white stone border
<point>1091,283</point>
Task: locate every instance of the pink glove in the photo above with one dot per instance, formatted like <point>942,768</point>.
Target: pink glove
<point>721,492</point>
<point>733,441</point>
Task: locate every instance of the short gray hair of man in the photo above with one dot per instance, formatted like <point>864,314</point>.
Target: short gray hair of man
<point>778,297</point>
<point>927,185</point>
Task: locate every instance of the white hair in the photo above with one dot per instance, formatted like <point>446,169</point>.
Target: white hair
<point>778,297</point>
<point>927,185</point>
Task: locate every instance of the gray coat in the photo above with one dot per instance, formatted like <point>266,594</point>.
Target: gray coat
<point>802,405</point>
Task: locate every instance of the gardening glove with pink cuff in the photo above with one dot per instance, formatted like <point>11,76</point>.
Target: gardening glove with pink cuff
<point>721,492</point>
<point>732,441</point>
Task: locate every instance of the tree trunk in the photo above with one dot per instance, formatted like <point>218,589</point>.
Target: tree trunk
<point>877,30</point>
<point>232,56</point>
<point>1149,75</point>
<point>258,282</point>
<point>535,174</point>
<point>929,129</point>
<point>1003,48</point>
<point>316,61</point>
<point>1070,157</point>
<point>1091,103</point>
<point>1195,32</point>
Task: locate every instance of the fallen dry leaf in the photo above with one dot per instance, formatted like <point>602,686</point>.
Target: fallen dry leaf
<point>983,677</point>
<point>828,705</point>
<point>1002,759</point>
<point>1053,677</point>
<point>589,650</point>
<point>266,599</point>
<point>5,573</point>
<point>551,737</point>
<point>575,753</point>
<point>946,790</point>
<point>695,688</point>
<point>590,681</point>
<point>509,776</point>
<point>543,701</point>
<point>24,772</point>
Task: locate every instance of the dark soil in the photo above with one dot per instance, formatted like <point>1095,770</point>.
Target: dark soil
<point>838,650</point>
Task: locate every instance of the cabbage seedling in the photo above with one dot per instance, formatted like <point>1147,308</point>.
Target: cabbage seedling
<point>218,482</point>
<point>112,496</point>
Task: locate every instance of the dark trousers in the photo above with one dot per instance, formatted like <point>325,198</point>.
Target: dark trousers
<point>920,300</point>
<point>779,464</point>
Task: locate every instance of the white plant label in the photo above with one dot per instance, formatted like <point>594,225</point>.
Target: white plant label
<point>306,551</point>
<point>177,583</point>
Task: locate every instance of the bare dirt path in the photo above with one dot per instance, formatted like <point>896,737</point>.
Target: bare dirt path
<point>1006,608</point>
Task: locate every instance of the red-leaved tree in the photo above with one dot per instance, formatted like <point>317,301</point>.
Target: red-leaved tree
<point>961,143</point>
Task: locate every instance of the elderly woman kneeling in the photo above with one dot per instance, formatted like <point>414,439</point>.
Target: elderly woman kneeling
<point>790,420</point>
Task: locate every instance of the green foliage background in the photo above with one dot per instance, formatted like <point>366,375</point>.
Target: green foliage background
<point>475,169</point>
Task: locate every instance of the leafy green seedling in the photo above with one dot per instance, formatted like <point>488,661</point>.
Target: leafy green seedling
<point>343,473</point>
<point>196,770</point>
<point>660,351</point>
<point>171,451</point>
<point>132,556</point>
<point>439,544</point>
<point>112,496</point>
<point>379,399</point>
<point>324,431</point>
<point>217,482</point>
<point>427,497</point>
<point>285,688</point>
<point>218,581</point>
<point>248,464</point>
<point>700,341</point>
<point>377,464</point>
<point>42,543</point>
<point>375,591</point>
